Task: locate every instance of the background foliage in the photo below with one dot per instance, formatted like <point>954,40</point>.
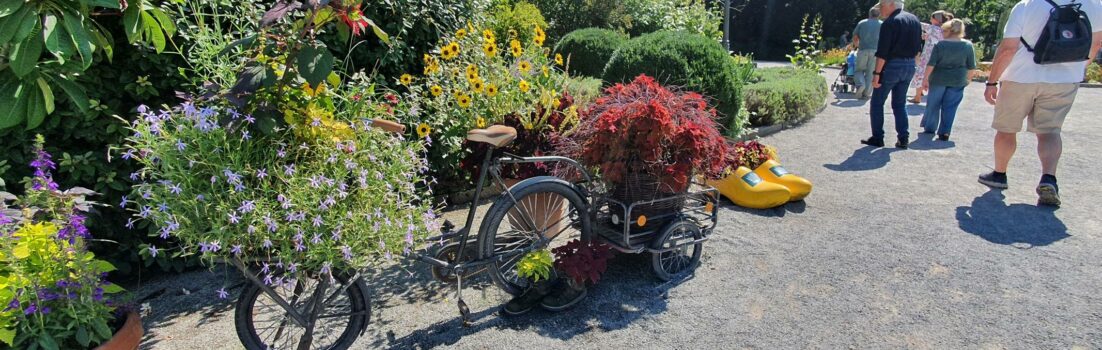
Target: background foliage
<point>587,51</point>
<point>784,96</point>
<point>634,17</point>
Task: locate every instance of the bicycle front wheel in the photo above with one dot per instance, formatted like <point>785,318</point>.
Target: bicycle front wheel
<point>543,208</point>
<point>263,324</point>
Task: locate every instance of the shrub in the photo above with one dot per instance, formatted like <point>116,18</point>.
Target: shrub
<point>785,96</point>
<point>693,16</point>
<point>584,90</point>
<point>564,16</point>
<point>587,51</point>
<point>690,60</point>
<point>1094,73</point>
<point>517,21</point>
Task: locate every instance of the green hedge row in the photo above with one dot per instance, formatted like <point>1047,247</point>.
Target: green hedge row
<point>784,96</point>
<point>587,51</point>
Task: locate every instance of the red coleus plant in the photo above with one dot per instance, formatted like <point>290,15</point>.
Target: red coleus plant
<point>643,127</point>
<point>583,261</point>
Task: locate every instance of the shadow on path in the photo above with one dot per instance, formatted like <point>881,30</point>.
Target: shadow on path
<point>926,142</point>
<point>848,103</point>
<point>1021,225</point>
<point>779,212</point>
<point>913,109</point>
<point>864,159</point>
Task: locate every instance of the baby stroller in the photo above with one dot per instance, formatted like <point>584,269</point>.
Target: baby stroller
<point>845,83</point>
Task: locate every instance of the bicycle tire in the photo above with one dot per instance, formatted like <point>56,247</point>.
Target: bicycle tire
<point>359,316</point>
<point>577,216</point>
<point>671,264</point>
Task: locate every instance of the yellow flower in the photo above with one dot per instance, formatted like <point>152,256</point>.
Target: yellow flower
<point>558,59</point>
<point>436,90</point>
<point>464,100</point>
<point>429,60</point>
<point>490,49</point>
<point>524,86</point>
<point>459,34</point>
<point>491,90</point>
<point>546,71</point>
<point>488,35</point>
<point>311,91</point>
<point>406,79</point>
<point>512,33</point>
<point>540,36</point>
<point>423,130</point>
<point>524,66</point>
<point>480,122</point>
<point>477,85</point>
<point>515,49</point>
<point>556,103</point>
<point>472,72</point>
<point>450,51</point>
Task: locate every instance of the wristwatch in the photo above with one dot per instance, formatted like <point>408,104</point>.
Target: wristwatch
<point>877,73</point>
<point>989,84</point>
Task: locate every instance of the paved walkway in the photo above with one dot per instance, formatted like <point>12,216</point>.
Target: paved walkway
<point>894,249</point>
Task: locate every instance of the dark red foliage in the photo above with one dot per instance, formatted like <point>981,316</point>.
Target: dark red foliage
<point>750,154</point>
<point>643,127</point>
<point>583,261</point>
<point>529,142</point>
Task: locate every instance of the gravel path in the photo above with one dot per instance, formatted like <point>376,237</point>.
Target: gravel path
<point>894,249</point>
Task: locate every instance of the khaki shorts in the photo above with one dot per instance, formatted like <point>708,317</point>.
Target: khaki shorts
<point>1044,105</point>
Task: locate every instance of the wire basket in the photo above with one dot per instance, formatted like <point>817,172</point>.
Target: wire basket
<point>642,188</point>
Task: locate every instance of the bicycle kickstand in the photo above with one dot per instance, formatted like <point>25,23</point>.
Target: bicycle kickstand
<point>464,311</point>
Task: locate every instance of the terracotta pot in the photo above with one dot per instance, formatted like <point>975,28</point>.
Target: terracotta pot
<point>128,337</point>
<point>545,209</point>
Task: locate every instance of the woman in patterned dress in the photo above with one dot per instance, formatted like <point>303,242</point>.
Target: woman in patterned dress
<point>933,35</point>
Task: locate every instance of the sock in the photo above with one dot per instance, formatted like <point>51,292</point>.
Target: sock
<point>1048,179</point>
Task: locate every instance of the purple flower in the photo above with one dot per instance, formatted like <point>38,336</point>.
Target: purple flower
<point>236,250</point>
<point>14,304</point>
<point>251,229</point>
<point>247,206</point>
<point>130,223</point>
<point>74,228</point>
<point>163,207</point>
<point>249,119</point>
<point>128,154</point>
<point>329,201</point>
<point>147,194</point>
<point>223,294</point>
<point>265,268</point>
<point>175,189</point>
<point>134,176</point>
<point>289,170</point>
<point>200,197</point>
<point>30,309</point>
<point>332,159</point>
<point>325,268</point>
<point>346,251</point>
<point>181,146</point>
<point>153,251</point>
<point>122,204</point>
<point>234,218</point>
<point>267,243</point>
<point>317,221</point>
<point>316,239</point>
<point>245,135</point>
<point>316,122</point>
<point>315,182</point>
<point>299,247</point>
<point>336,235</point>
<point>282,152</point>
<point>42,165</point>
<point>262,173</point>
<point>45,310</point>
<point>292,267</point>
<point>209,247</point>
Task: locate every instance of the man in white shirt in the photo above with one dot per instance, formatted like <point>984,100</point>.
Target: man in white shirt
<point>1042,94</point>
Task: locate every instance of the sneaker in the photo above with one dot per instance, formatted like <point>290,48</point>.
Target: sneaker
<point>994,180</point>
<point>526,301</point>
<point>873,142</point>
<point>564,297</point>
<point>1048,194</point>
<point>902,144</point>
<point>943,137</point>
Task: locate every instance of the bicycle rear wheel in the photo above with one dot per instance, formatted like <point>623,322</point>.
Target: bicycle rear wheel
<point>263,324</point>
<point>546,206</point>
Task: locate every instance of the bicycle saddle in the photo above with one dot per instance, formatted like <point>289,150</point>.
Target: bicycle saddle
<point>497,135</point>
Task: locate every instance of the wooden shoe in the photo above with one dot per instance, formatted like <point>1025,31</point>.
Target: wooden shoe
<point>748,189</point>
<point>773,172</point>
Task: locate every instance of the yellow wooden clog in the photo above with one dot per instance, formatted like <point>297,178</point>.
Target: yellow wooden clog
<point>773,172</point>
<point>748,189</point>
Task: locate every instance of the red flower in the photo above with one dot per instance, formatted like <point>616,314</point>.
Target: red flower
<point>354,19</point>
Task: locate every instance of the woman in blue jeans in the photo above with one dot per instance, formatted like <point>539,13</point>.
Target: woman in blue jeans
<point>950,69</point>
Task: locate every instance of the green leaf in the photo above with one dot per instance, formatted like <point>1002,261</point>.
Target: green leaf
<point>8,7</point>
<point>53,33</point>
<point>47,95</point>
<point>75,92</point>
<point>80,38</point>
<point>27,26</point>
<point>25,55</point>
<point>7,336</point>
<point>112,289</point>
<point>153,32</point>
<point>47,342</point>
<point>9,25</point>
<point>131,23</point>
<point>103,266</point>
<point>333,79</point>
<point>379,32</point>
<point>314,64</point>
<point>104,41</point>
<point>21,251</point>
<point>111,4</point>
<point>100,326</point>
<point>166,22</point>
<point>13,101</point>
<point>36,107</point>
<point>82,337</point>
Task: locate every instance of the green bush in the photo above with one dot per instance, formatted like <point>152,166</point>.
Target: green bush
<point>784,96</point>
<point>1094,73</point>
<point>694,16</point>
<point>587,51</point>
<point>517,21</point>
<point>692,61</point>
<point>565,16</point>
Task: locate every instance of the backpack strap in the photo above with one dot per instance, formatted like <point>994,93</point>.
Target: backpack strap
<point>1027,47</point>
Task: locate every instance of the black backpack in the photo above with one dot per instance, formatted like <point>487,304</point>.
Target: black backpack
<point>1066,38</point>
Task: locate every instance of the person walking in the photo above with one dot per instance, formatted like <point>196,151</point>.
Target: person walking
<point>952,63</point>
<point>900,41</point>
<point>931,34</point>
<point>866,36</point>
<point>1035,77</point>
<point>843,41</point>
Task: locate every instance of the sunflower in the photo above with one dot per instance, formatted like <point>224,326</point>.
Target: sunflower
<point>546,71</point>
<point>406,79</point>
<point>464,100</point>
<point>313,92</point>
<point>472,72</point>
<point>491,90</point>
<point>558,59</point>
<point>480,122</point>
<point>540,36</point>
<point>512,33</point>
<point>450,51</point>
<point>490,49</point>
<point>436,90</point>
<point>524,86</point>
<point>524,66</point>
<point>515,49</point>
<point>477,85</point>
<point>432,68</point>
<point>423,130</point>
<point>488,35</point>
<point>459,34</point>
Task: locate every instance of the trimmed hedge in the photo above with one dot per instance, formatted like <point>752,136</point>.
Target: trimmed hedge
<point>692,61</point>
<point>589,50</point>
<point>785,96</point>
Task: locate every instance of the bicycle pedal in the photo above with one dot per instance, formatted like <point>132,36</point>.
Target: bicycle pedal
<point>464,313</point>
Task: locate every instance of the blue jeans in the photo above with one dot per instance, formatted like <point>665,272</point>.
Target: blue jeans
<point>895,79</point>
<point>941,108</point>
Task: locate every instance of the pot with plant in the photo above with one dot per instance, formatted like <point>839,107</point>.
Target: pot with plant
<point>580,263</point>
<point>54,291</point>
<point>746,187</point>
<point>536,267</point>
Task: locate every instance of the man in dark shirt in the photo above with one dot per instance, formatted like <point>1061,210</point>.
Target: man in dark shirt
<point>900,43</point>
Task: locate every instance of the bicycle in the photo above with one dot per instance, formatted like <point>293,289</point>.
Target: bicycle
<point>314,313</point>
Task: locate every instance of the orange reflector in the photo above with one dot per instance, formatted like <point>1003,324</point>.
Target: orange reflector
<point>642,221</point>
<point>708,207</point>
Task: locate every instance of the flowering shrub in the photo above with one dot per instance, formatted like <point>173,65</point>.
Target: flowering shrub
<point>643,127</point>
<point>52,289</point>
<point>583,261</point>
<point>750,154</point>
<point>538,136</point>
<point>832,57</point>
<point>474,80</point>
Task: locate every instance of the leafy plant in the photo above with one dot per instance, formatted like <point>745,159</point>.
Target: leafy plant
<point>583,261</point>
<point>693,16</point>
<point>518,21</point>
<point>807,45</point>
<point>587,51</point>
<point>52,286</point>
<point>1094,73</point>
<point>750,154</point>
<point>537,135</point>
<point>645,128</point>
<point>785,96</point>
<point>535,266</point>
<point>67,31</point>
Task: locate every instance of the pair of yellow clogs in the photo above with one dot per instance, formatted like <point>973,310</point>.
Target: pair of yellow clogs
<point>770,185</point>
